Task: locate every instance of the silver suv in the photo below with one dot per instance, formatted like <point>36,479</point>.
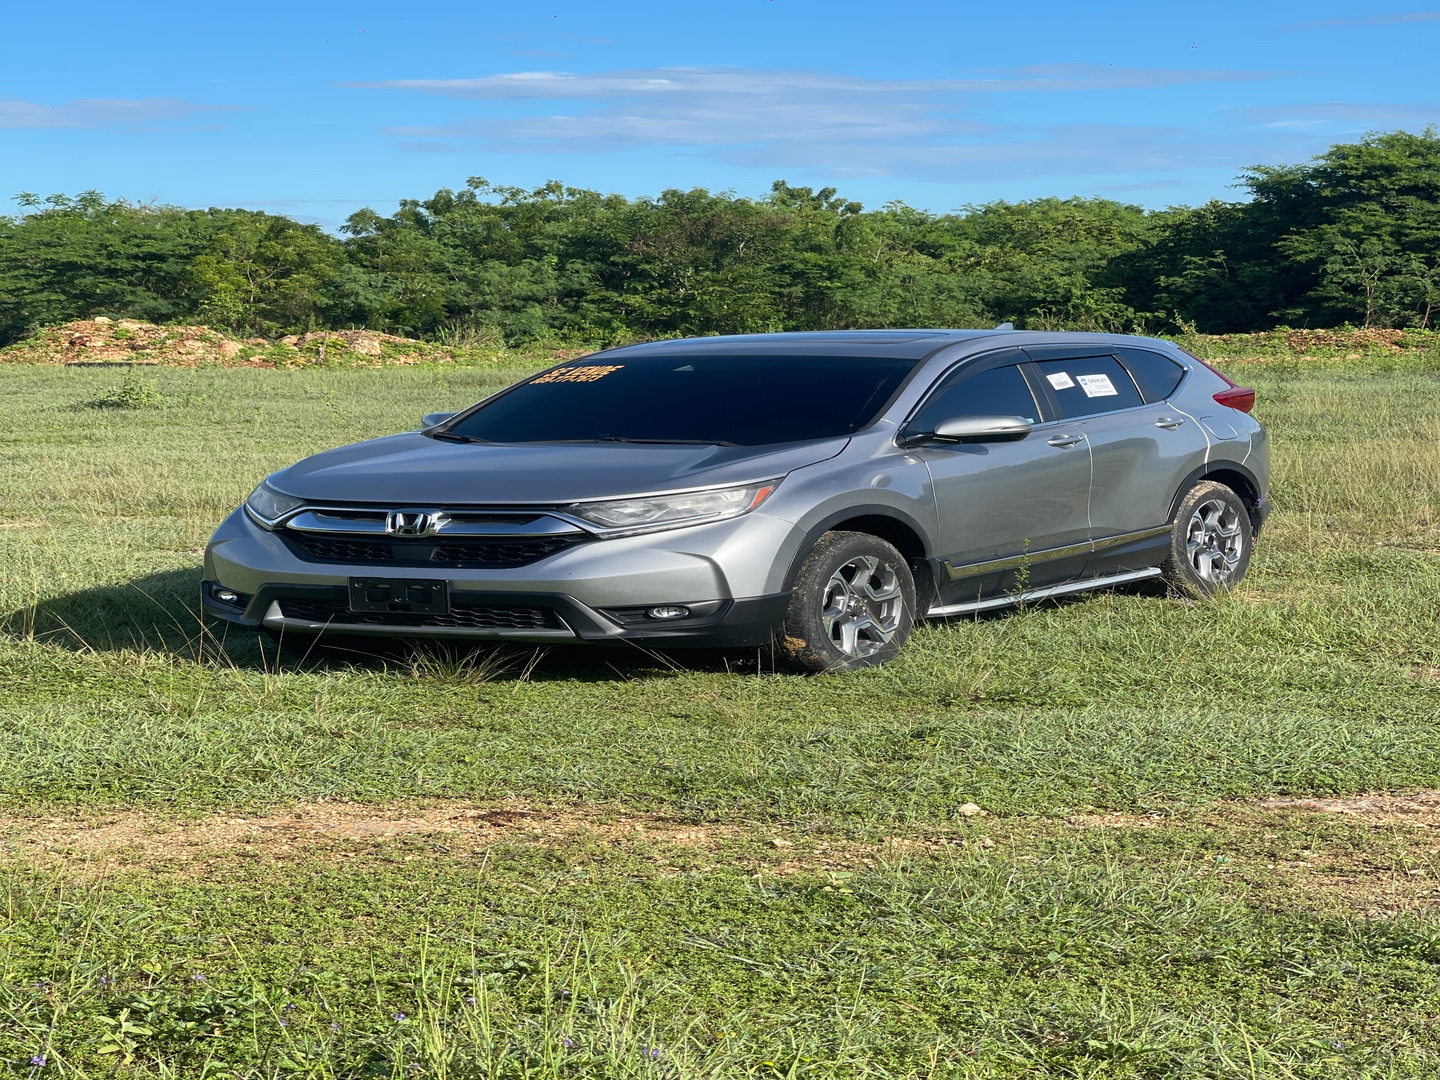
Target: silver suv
<point>813,492</point>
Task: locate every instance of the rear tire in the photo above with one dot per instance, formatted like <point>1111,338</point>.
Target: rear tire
<point>1210,542</point>
<point>852,605</point>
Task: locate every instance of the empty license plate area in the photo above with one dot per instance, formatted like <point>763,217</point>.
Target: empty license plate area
<point>399,594</point>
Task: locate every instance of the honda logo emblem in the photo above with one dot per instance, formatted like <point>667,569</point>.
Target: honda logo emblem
<point>414,522</point>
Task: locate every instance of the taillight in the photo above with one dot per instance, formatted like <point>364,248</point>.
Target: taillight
<point>1233,397</point>
<point>1237,397</point>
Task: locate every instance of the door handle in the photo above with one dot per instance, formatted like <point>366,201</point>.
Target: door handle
<point>1064,440</point>
<point>1169,423</point>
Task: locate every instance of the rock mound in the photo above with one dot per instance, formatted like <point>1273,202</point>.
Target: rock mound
<point>108,341</point>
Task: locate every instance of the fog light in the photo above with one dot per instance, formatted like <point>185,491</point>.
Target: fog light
<point>227,596</point>
<point>671,611</point>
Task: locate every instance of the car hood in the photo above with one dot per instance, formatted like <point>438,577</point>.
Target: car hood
<point>415,470</point>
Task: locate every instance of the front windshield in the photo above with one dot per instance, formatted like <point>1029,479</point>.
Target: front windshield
<point>746,400</point>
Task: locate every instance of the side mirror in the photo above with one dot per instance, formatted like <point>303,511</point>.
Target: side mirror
<point>982,429</point>
<point>429,420</point>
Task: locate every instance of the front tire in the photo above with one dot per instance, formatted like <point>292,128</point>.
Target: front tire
<point>1210,542</point>
<point>852,605</point>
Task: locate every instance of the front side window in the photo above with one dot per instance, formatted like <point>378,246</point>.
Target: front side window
<point>1000,391</point>
<point>684,397</point>
<point>1088,385</point>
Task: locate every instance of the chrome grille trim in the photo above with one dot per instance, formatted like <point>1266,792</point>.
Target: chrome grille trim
<point>458,523</point>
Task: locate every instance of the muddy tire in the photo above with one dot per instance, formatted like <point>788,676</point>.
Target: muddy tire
<point>852,606</point>
<point>1210,542</point>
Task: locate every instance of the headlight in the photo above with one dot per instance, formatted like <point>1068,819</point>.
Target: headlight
<point>672,511</point>
<point>267,506</point>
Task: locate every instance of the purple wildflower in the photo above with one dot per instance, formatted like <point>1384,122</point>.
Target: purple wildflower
<point>39,1061</point>
<point>198,977</point>
<point>106,980</point>
<point>568,1043</point>
<point>399,1017</point>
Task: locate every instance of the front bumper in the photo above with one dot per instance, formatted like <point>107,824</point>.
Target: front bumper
<point>592,592</point>
<point>553,618</point>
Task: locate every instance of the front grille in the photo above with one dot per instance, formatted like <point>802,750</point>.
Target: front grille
<point>341,549</point>
<point>477,554</point>
<point>461,616</point>
<point>499,552</point>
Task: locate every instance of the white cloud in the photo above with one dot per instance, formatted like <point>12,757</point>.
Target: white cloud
<point>843,124</point>
<point>98,112</point>
<point>1386,19</point>
<point>1349,115</point>
<point>689,83</point>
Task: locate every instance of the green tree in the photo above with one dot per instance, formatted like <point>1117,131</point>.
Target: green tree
<point>79,257</point>
<point>264,274</point>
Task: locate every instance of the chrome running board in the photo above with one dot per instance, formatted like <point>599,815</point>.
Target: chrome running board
<point>1042,594</point>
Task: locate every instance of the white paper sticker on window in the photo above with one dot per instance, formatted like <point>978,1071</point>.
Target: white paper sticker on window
<point>1096,385</point>
<point>1060,380</point>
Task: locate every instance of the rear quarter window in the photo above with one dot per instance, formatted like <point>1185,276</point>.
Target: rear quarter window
<point>1157,376</point>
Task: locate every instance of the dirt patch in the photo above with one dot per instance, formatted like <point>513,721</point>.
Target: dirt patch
<point>1116,821</point>
<point>101,341</point>
<point>1422,807</point>
<point>1374,854</point>
<point>323,825</point>
<point>1346,343</point>
<point>452,830</point>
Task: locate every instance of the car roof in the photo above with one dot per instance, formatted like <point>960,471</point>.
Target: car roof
<point>909,344</point>
<point>913,344</point>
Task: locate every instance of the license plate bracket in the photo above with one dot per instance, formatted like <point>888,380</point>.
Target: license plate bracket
<point>411,596</point>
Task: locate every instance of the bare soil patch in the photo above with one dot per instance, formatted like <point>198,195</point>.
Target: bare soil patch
<point>1421,807</point>
<point>1384,860</point>
<point>456,830</point>
<point>129,341</point>
<point>148,839</point>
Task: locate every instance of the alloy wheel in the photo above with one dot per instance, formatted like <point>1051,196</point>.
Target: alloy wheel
<point>862,607</point>
<point>1214,541</point>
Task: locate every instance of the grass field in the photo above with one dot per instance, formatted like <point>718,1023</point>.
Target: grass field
<point>220,862</point>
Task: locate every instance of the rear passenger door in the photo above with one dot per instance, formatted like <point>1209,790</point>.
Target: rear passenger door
<point>1141,448</point>
<point>1013,514</point>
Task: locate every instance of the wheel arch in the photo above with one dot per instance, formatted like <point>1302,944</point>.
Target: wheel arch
<point>1233,475</point>
<point>889,524</point>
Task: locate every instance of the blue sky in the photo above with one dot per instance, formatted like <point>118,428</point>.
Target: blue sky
<point>317,109</point>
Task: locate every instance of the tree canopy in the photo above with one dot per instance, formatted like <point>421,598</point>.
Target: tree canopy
<point>1352,236</point>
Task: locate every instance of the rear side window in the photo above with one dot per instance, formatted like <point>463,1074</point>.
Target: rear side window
<point>1000,391</point>
<point>1089,385</point>
<point>1156,375</point>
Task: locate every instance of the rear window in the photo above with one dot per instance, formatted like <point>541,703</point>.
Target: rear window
<point>746,400</point>
<point>1156,375</point>
<point>1088,385</point>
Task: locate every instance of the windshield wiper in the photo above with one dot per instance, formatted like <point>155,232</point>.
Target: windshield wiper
<point>664,442</point>
<point>450,436</point>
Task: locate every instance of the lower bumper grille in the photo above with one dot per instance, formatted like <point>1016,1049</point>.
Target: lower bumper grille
<point>460,617</point>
